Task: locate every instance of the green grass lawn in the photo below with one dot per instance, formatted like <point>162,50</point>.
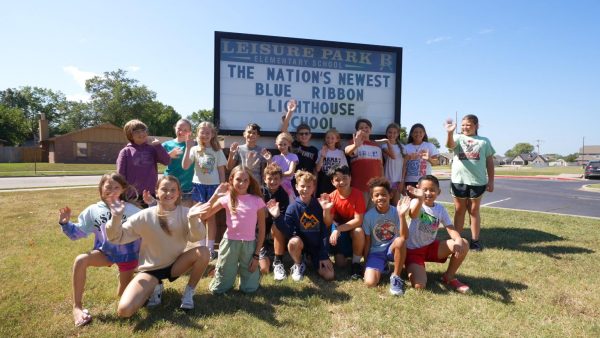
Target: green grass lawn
<point>538,276</point>
<point>56,169</point>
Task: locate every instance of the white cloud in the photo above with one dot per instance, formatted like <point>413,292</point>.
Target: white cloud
<point>84,97</point>
<point>79,75</point>
<point>438,39</point>
<point>486,31</point>
<point>133,69</point>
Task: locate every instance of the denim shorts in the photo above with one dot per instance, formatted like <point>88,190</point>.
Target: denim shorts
<point>203,192</point>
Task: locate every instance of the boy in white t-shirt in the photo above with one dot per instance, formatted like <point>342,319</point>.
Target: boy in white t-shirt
<point>422,245</point>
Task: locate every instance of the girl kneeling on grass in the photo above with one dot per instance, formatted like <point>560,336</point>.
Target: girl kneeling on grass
<point>239,249</point>
<point>164,230</point>
<point>93,219</point>
<point>422,245</point>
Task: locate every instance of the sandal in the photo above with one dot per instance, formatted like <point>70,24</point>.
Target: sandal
<point>456,285</point>
<point>84,319</point>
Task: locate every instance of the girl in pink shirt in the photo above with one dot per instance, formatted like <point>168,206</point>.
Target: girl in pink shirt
<point>242,200</point>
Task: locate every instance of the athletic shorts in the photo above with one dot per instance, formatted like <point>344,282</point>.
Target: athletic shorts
<point>203,192</point>
<point>127,266</point>
<point>164,273</point>
<point>467,191</point>
<point>344,245</point>
<point>427,253</point>
<point>378,260</point>
<point>267,251</point>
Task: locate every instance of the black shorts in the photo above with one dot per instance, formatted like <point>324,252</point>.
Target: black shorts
<point>467,191</point>
<point>164,273</point>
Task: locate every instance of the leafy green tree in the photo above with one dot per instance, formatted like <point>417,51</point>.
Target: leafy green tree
<point>34,100</point>
<point>78,115</point>
<point>571,157</point>
<point>201,115</point>
<point>117,99</point>
<point>434,141</point>
<point>13,125</point>
<point>519,148</point>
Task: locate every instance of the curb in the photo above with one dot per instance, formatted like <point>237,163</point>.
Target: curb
<point>550,178</point>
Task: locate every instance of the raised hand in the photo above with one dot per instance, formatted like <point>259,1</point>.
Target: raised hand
<point>359,137</point>
<point>266,154</point>
<point>291,106</point>
<point>64,215</point>
<point>418,193</point>
<point>450,125</point>
<point>155,142</point>
<point>148,198</point>
<point>117,207</point>
<point>175,152</point>
<point>273,208</point>
<point>324,151</point>
<point>198,210</point>
<point>189,141</point>
<point>425,154</point>
<point>233,148</point>
<point>325,201</point>
<point>222,189</point>
<point>403,205</point>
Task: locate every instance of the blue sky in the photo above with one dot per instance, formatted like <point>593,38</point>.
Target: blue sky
<point>529,69</point>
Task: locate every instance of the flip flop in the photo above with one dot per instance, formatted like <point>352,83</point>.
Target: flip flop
<point>85,318</point>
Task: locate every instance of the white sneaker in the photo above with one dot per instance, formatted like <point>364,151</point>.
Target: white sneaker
<point>187,301</point>
<point>298,271</point>
<point>278,271</point>
<point>154,300</point>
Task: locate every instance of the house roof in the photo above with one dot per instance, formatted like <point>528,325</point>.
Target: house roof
<point>100,126</point>
<point>590,150</point>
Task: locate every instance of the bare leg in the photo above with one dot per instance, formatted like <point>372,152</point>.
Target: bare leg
<point>372,277</point>
<point>417,276</point>
<point>82,262</point>
<point>295,246</point>
<point>460,209</point>
<point>211,226</point>
<point>278,241</point>
<point>136,293</point>
<point>474,205</point>
<point>195,259</point>
<point>265,265</point>
<point>358,241</point>
<point>124,278</point>
<point>445,249</point>
<point>399,249</point>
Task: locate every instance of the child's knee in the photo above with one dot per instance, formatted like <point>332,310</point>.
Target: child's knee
<point>419,286</point>
<point>399,243</point>
<point>295,244</point>
<point>371,282</point>
<point>81,260</point>
<point>202,254</point>
<point>125,310</point>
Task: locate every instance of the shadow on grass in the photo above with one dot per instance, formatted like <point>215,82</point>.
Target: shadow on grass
<point>494,289</point>
<point>529,240</point>
<point>261,305</point>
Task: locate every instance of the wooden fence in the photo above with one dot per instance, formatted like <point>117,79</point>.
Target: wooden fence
<point>20,154</point>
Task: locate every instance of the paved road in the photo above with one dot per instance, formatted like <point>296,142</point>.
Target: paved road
<point>562,197</point>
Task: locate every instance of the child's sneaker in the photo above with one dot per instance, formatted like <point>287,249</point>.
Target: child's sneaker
<point>476,246</point>
<point>455,285</point>
<point>298,272</point>
<point>154,300</point>
<point>278,271</point>
<point>187,301</point>
<point>396,285</point>
<point>356,271</point>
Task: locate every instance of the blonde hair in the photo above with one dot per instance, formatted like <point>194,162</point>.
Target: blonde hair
<point>214,143</point>
<point>333,131</point>
<point>121,180</point>
<point>131,126</point>
<point>398,139</point>
<point>253,187</point>
<point>285,136</point>
<point>305,175</point>
<point>162,216</point>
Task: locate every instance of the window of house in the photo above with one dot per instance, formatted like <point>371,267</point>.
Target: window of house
<point>81,149</point>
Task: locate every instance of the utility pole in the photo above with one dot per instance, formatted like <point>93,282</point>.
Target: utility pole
<point>538,145</point>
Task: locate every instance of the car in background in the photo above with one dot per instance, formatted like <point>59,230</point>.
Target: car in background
<point>592,169</point>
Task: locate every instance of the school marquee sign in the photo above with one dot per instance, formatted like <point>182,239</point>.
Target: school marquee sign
<point>334,83</point>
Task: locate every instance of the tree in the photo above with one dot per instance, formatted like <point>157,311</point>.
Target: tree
<point>571,157</point>
<point>13,125</point>
<point>435,142</point>
<point>518,149</point>
<point>117,99</point>
<point>78,115</point>
<point>34,100</point>
<point>202,115</point>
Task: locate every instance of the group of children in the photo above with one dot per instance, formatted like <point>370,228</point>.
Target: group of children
<point>350,204</point>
